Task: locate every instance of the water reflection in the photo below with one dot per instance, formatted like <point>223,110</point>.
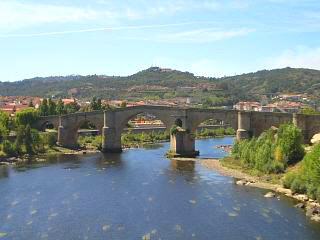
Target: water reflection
<point>183,165</point>
<point>4,172</point>
<point>140,194</point>
<point>109,160</point>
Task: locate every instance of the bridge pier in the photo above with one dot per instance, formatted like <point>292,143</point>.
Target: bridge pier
<point>244,126</point>
<point>66,138</point>
<point>111,141</point>
<point>111,135</point>
<point>300,121</point>
<point>182,144</point>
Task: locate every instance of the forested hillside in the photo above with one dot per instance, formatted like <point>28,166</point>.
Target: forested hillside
<point>166,83</point>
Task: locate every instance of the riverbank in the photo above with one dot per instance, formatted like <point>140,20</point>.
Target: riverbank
<point>42,157</point>
<point>225,167</point>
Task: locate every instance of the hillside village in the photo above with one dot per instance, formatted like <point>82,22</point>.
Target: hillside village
<point>290,103</point>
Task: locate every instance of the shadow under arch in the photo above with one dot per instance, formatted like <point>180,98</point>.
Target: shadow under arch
<point>151,128</point>
<point>213,121</point>
<point>130,116</point>
<point>48,125</point>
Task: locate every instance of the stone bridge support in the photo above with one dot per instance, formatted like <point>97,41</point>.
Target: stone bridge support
<point>182,144</point>
<point>182,141</point>
<point>65,139</point>
<point>111,134</point>
<point>244,125</point>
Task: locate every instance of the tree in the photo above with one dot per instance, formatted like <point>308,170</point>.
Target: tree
<point>60,107</point>
<point>123,104</point>
<point>51,107</point>
<point>309,111</point>
<point>4,119</point>
<point>95,104</point>
<point>289,141</point>
<point>51,138</point>
<point>28,140</point>
<point>26,117</point>
<point>71,107</point>
<point>99,104</point>
<point>30,104</point>
<point>43,108</point>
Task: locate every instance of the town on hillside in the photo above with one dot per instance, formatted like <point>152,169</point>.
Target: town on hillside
<point>285,103</point>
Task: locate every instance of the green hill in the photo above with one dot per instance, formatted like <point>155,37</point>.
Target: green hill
<point>163,83</point>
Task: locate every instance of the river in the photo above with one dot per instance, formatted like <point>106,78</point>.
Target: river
<point>139,195</point>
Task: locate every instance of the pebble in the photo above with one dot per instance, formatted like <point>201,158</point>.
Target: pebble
<point>269,195</point>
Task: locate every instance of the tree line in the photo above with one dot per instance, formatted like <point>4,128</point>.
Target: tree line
<point>18,138</point>
<point>275,150</point>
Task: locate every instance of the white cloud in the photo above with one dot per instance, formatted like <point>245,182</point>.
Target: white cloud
<point>201,35</point>
<point>116,28</point>
<point>17,14</point>
<point>300,57</point>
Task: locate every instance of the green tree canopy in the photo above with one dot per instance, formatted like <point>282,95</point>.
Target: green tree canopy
<point>43,108</point>
<point>26,117</point>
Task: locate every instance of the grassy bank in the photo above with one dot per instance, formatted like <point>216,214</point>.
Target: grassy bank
<point>278,156</point>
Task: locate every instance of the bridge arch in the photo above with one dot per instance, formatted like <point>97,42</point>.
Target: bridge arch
<point>132,114</point>
<point>224,116</point>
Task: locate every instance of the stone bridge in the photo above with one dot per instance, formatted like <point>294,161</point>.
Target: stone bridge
<point>112,122</point>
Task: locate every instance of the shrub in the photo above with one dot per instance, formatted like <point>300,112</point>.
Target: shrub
<point>318,194</point>
<point>298,185</point>
<point>270,153</point>
<point>26,117</point>
<point>288,179</point>
<point>173,129</point>
<point>8,148</point>
<point>230,131</point>
<point>290,141</point>
<point>52,140</point>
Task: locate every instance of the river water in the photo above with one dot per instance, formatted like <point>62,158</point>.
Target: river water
<point>140,195</point>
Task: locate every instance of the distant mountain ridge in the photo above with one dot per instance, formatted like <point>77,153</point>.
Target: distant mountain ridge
<point>169,81</point>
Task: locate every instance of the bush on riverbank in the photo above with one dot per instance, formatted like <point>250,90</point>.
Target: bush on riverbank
<point>138,139</point>
<point>272,151</point>
<point>27,141</point>
<point>130,139</point>
<point>90,141</point>
<point>205,132</point>
<point>307,178</point>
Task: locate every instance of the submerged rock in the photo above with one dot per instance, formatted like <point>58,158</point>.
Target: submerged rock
<point>316,218</point>
<point>300,205</point>
<point>241,182</point>
<point>269,195</point>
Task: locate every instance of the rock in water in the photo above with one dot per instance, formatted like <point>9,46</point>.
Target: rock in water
<point>300,205</point>
<point>316,218</point>
<point>241,182</point>
<point>269,195</point>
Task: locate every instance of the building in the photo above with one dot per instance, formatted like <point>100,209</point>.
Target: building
<point>248,106</point>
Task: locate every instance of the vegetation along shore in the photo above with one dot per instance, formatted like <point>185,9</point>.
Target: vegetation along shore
<point>277,161</point>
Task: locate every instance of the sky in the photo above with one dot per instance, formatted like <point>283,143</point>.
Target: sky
<point>206,37</point>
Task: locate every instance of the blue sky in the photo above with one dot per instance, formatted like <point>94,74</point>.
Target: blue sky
<point>206,37</point>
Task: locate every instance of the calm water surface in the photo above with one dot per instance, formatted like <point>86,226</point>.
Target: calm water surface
<point>138,193</point>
